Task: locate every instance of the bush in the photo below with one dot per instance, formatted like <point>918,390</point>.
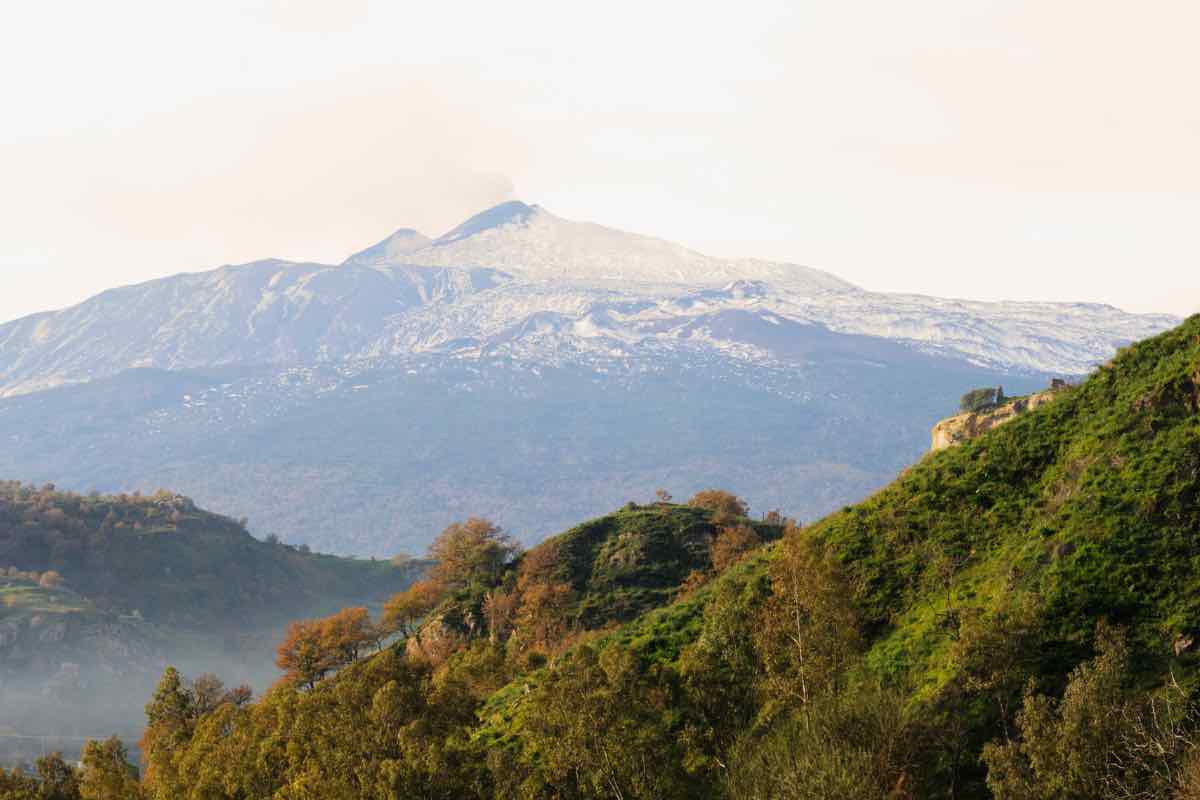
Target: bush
<point>731,544</point>
<point>854,747</point>
<point>980,399</point>
<point>721,502</point>
<point>50,579</point>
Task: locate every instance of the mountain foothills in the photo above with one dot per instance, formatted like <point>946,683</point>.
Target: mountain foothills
<point>1014,617</point>
<point>98,593</point>
<point>360,407</point>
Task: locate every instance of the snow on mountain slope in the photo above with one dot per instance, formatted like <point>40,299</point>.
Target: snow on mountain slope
<point>263,312</point>
<point>520,282</point>
<point>532,243</point>
<point>391,250</point>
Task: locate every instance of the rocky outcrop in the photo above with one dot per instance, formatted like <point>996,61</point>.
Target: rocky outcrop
<point>964,427</point>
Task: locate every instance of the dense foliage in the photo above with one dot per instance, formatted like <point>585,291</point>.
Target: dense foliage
<point>1015,617</point>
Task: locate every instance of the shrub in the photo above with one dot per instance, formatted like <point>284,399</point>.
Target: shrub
<point>731,544</point>
<point>50,579</point>
<point>980,399</point>
<point>720,502</point>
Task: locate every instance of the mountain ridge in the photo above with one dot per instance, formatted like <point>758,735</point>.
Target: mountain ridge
<point>506,265</point>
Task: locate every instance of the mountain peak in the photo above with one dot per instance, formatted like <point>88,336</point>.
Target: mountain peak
<point>513,212</point>
<point>387,251</point>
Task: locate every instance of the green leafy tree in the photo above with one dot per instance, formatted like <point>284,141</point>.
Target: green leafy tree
<point>981,399</point>
<point>56,779</point>
<point>1065,746</point>
<point>107,773</point>
<point>807,632</point>
<point>170,717</point>
<point>16,785</point>
<point>598,725</point>
<point>857,747</point>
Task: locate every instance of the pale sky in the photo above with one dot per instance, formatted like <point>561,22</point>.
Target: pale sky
<point>1014,149</point>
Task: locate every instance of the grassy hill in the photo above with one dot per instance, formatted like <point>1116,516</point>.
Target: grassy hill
<point>617,566</point>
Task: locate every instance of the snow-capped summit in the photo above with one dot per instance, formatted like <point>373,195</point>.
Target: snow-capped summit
<point>514,212</point>
<point>518,281</point>
<point>529,241</point>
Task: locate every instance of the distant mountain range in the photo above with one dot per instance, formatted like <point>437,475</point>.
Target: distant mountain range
<point>521,366</point>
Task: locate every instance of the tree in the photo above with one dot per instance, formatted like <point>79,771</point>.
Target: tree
<point>404,610</point>
<point>981,399</point>
<point>720,502</point>
<point>475,551</point>
<point>807,632</point>
<point>170,716</point>
<point>345,633</point>
<point>719,672</point>
<point>107,773</point>
<point>16,785</point>
<point>597,725</point>
<point>50,580</point>
<point>545,597</point>
<point>1065,746</point>
<point>500,611</point>
<point>859,747</point>
<point>542,618</point>
<point>302,654</point>
<point>313,648</point>
<point>209,693</point>
<point>730,544</point>
<point>995,654</point>
<point>57,780</point>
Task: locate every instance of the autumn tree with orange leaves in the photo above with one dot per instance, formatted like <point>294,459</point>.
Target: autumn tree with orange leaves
<point>404,610</point>
<point>311,649</point>
<point>720,502</point>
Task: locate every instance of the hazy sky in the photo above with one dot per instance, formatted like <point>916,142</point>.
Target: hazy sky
<point>1025,149</point>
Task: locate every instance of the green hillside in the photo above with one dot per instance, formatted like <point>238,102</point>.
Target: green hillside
<point>1015,617</point>
<point>174,563</point>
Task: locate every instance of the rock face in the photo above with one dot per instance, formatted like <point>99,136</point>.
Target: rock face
<point>964,427</point>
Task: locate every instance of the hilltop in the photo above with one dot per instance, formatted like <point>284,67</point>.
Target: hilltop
<point>945,613</point>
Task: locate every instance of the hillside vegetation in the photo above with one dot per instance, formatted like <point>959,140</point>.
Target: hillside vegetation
<point>98,593</point>
<point>172,562</point>
<point>1016,617</point>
